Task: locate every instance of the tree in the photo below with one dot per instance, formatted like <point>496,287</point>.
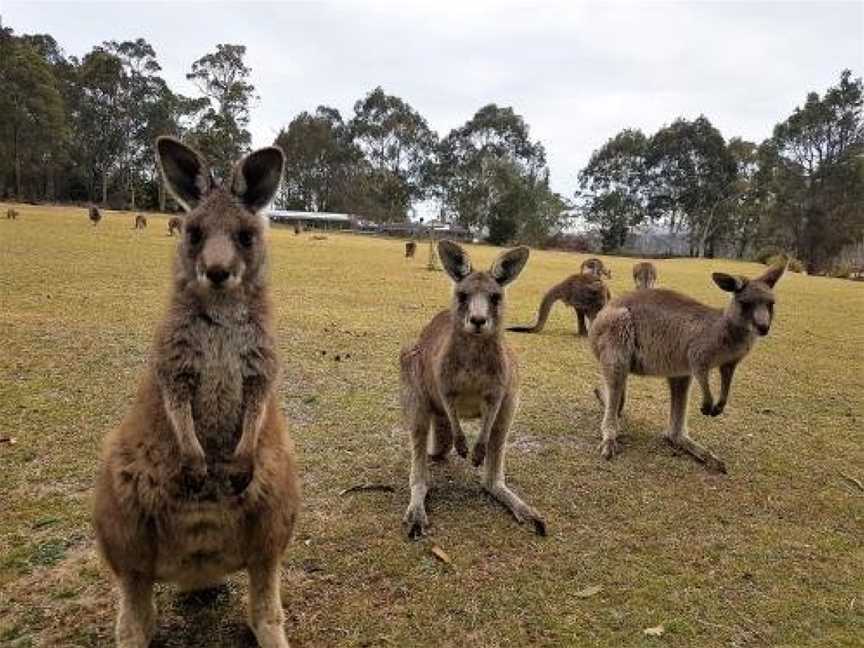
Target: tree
<point>397,143</point>
<point>33,128</point>
<point>484,169</point>
<point>223,79</point>
<point>321,162</point>
<point>816,173</point>
<point>690,173</point>
<point>613,187</point>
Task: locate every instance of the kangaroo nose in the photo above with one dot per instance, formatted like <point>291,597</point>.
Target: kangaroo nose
<point>217,275</point>
<point>763,330</point>
<point>477,321</point>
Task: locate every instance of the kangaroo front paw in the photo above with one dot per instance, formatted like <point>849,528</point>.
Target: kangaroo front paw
<point>717,410</point>
<point>416,521</point>
<point>609,448</point>
<point>478,454</point>
<point>707,408</point>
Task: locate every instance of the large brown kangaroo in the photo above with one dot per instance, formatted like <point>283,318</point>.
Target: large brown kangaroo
<point>644,275</point>
<point>199,480</point>
<point>585,293</point>
<point>657,332</point>
<point>461,368</point>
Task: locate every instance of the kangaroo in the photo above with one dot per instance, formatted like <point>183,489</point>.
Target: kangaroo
<point>659,332</point>
<point>298,228</point>
<point>199,480</point>
<point>644,275</point>
<point>140,221</point>
<point>11,214</point>
<point>175,224</point>
<point>95,215</point>
<point>595,267</point>
<point>461,367</point>
<point>585,293</point>
<point>410,249</point>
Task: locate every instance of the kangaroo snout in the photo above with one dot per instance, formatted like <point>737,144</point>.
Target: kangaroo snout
<point>217,275</point>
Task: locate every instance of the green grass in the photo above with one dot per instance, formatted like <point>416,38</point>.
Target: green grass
<point>770,555</point>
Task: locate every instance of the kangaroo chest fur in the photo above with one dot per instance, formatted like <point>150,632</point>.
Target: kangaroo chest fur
<point>469,375</point>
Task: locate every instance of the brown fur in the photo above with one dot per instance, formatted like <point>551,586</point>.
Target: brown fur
<point>95,215</point>
<point>657,332</point>
<point>410,249</point>
<point>175,224</point>
<point>11,214</point>
<point>594,266</point>
<point>644,275</point>
<point>199,480</point>
<point>462,368</point>
<point>140,221</point>
<point>584,293</point>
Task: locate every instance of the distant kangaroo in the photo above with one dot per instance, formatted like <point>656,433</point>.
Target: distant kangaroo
<point>659,332</point>
<point>644,275</point>
<point>11,214</point>
<point>95,215</point>
<point>461,367</point>
<point>199,480</point>
<point>410,249</point>
<point>140,221</point>
<point>585,293</point>
<point>175,224</point>
<point>595,267</point>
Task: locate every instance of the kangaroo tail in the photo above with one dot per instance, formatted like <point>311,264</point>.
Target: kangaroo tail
<point>542,314</point>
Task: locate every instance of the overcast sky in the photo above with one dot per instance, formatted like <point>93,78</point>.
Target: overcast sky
<point>576,72</point>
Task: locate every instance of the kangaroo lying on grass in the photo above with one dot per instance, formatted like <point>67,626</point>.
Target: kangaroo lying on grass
<point>585,293</point>
<point>175,224</point>
<point>199,480</point>
<point>664,333</point>
<point>461,367</point>
<point>595,267</point>
<point>644,275</point>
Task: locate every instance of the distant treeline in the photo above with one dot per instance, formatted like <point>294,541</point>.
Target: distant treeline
<point>82,130</point>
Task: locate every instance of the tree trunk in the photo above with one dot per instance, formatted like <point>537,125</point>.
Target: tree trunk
<point>104,188</point>
<point>161,196</point>
<point>17,154</point>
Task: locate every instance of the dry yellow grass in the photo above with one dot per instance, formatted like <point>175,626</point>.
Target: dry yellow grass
<point>770,555</point>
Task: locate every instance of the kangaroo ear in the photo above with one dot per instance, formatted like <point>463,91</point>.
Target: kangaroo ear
<point>773,274</point>
<point>728,282</point>
<point>257,177</point>
<point>509,264</point>
<point>186,174</point>
<point>455,260</point>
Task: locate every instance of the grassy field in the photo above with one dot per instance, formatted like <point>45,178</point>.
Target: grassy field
<point>770,555</point>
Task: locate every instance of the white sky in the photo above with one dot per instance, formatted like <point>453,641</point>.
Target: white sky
<point>577,72</point>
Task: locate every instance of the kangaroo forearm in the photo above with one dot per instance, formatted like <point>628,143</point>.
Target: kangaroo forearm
<point>180,417</point>
<point>255,399</point>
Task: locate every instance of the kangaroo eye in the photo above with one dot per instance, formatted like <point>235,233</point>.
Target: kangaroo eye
<point>245,238</point>
<point>194,235</point>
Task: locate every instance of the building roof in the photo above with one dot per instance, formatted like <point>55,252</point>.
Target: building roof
<point>285,214</point>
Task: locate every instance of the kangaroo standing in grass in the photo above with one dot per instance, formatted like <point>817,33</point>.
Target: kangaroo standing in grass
<point>140,221</point>
<point>175,224</point>
<point>595,267</point>
<point>461,367</point>
<point>95,215</point>
<point>410,249</point>
<point>11,214</point>
<point>199,480</point>
<point>664,333</point>
<point>585,293</point>
<point>644,275</point>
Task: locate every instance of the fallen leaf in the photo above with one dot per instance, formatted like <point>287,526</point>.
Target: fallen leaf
<point>656,631</point>
<point>855,482</point>
<point>589,591</point>
<point>440,554</point>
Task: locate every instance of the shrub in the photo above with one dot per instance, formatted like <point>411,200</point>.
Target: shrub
<point>795,265</point>
<point>765,254</point>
